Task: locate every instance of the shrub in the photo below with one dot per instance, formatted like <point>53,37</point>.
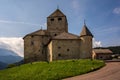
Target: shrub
<point>11,65</point>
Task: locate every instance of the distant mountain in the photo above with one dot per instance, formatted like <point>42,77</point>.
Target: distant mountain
<point>8,56</point>
<point>3,65</point>
<point>5,52</point>
<point>115,49</point>
<point>20,62</point>
<point>10,59</point>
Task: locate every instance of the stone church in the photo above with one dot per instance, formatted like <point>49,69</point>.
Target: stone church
<point>56,43</point>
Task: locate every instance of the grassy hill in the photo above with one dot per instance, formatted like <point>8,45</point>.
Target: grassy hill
<point>50,71</point>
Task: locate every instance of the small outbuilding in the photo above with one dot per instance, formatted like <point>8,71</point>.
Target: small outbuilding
<point>103,54</point>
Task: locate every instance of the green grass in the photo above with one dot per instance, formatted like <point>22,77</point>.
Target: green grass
<point>50,71</point>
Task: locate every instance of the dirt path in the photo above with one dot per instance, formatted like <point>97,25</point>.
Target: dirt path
<point>110,72</point>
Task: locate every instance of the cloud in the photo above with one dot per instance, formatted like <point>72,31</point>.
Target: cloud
<point>96,43</point>
<point>111,29</point>
<point>13,43</point>
<point>75,4</point>
<point>108,29</point>
<point>116,10</point>
<point>79,8</point>
<point>15,22</point>
<point>44,26</point>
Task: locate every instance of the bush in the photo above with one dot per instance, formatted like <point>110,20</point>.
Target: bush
<point>11,65</point>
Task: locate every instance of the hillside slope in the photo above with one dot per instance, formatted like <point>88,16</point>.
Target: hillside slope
<point>50,71</point>
<point>3,65</point>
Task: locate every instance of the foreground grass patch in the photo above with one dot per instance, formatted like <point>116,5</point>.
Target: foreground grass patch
<point>50,71</point>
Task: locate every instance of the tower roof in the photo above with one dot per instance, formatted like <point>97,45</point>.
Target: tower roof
<point>85,31</point>
<point>57,13</point>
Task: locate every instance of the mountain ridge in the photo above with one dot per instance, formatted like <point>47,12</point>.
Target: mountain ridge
<point>8,57</point>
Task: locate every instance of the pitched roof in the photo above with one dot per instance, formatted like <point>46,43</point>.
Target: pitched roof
<point>107,51</point>
<point>57,12</point>
<point>66,35</point>
<point>85,31</point>
<point>38,32</point>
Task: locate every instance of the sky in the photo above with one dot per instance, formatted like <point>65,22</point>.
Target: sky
<point>20,17</point>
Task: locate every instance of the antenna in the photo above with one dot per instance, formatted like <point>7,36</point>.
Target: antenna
<point>57,6</point>
<point>84,22</point>
<point>41,27</point>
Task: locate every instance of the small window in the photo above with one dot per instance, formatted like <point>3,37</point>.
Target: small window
<point>59,47</point>
<point>32,43</point>
<point>68,49</point>
<point>52,19</point>
<point>101,57</point>
<point>59,55</point>
<point>59,19</point>
<point>55,34</point>
<point>32,36</point>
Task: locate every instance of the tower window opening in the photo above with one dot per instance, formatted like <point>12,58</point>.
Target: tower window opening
<point>59,47</point>
<point>68,49</point>
<point>59,19</point>
<point>52,19</point>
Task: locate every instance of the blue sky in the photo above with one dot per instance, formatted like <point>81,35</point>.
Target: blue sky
<point>20,17</point>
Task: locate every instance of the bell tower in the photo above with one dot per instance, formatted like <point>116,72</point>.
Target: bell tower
<point>57,23</point>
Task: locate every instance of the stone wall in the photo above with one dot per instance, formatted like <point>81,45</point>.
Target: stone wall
<point>35,48</point>
<point>103,56</point>
<point>86,47</point>
<point>56,25</point>
<point>65,49</point>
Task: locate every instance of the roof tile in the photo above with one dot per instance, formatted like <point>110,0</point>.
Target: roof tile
<point>107,51</point>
